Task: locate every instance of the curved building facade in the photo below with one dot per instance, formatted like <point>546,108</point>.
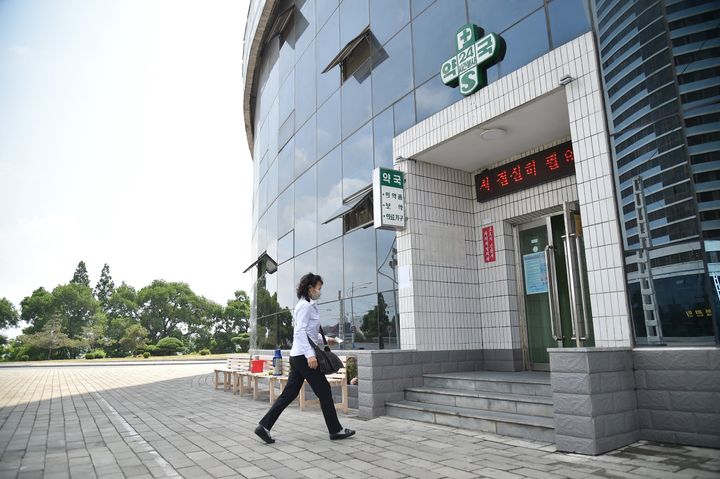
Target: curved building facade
<point>529,189</point>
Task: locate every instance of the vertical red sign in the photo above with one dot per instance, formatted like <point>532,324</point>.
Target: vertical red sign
<point>488,234</point>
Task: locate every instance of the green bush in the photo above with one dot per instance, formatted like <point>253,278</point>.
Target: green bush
<point>204,352</point>
<point>169,345</point>
<point>242,341</point>
<point>146,355</point>
<point>153,350</point>
<point>99,354</point>
<point>24,357</point>
<point>351,368</point>
<point>89,356</point>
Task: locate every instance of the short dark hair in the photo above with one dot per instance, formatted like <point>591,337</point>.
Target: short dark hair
<point>307,282</point>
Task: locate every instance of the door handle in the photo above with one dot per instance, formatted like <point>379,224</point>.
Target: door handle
<point>555,326</point>
<point>581,274</point>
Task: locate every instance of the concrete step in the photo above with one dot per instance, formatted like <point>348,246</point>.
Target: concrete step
<point>503,423</point>
<point>528,383</point>
<point>500,402</point>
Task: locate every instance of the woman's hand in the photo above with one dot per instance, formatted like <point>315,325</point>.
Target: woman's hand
<point>312,362</point>
<point>331,341</point>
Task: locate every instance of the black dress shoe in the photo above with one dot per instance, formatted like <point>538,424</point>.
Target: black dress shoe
<point>345,433</point>
<point>264,434</point>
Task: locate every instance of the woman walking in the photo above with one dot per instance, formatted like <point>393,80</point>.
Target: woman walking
<point>303,364</point>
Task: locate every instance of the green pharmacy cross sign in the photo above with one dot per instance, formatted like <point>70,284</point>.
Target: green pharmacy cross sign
<point>475,54</point>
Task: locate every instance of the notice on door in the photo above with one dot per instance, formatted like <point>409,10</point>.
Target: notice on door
<point>488,234</point>
<point>536,278</point>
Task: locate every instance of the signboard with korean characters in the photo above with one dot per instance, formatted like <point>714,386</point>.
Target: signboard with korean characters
<point>474,54</point>
<point>547,165</point>
<point>389,199</point>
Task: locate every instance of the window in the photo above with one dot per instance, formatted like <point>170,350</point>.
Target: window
<point>306,211</point>
<point>434,37</point>
<point>357,160</point>
<point>360,216</point>
<point>387,18</point>
<point>328,125</point>
<point>353,55</point>
<point>392,70</point>
<point>329,194</point>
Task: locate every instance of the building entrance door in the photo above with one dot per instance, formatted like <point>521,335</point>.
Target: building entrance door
<point>557,305</point>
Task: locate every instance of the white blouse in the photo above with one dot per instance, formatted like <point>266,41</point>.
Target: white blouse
<point>306,322</point>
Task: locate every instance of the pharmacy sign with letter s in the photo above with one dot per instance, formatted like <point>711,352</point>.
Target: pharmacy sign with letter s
<point>388,199</point>
<point>475,53</point>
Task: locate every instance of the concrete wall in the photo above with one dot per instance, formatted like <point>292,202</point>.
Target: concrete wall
<point>678,395</point>
<point>608,398</point>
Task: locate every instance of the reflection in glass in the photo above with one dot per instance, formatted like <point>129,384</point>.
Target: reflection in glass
<point>305,147</point>
<point>487,16</point>
<point>272,182</point>
<point>304,25</point>
<point>330,267</point>
<point>324,9</point>
<point>363,319</point>
<point>286,288</point>
<point>306,211</point>
<point>568,20</point>
<point>383,135</point>
<point>305,86</point>
<point>328,125</point>
<point>271,231</point>
<point>286,246</point>
<point>357,156</point>
<point>391,70</point>
<point>287,52</point>
<point>433,96</point>
<point>359,258</point>
<point>434,37</point>
<point>330,318</point>
<point>306,263</point>
<point>354,16</point>
<point>287,98</point>
<point>387,18</point>
<point>286,161</point>
<point>419,5</point>
<point>525,42</point>
<point>286,211</point>
<point>356,99</point>
<point>329,189</point>
<point>404,113</point>
<point>273,127</point>
<point>386,260</point>
<point>328,45</point>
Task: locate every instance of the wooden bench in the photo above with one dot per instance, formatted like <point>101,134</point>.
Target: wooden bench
<point>234,364</point>
<point>244,380</point>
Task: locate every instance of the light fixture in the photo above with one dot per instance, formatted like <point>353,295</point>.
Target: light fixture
<point>492,133</point>
<point>566,80</point>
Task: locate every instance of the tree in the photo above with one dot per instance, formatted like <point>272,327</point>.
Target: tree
<point>123,303</point>
<point>169,345</point>
<point>36,310</point>
<point>104,287</point>
<point>166,307</point>
<point>8,314</point>
<point>50,337</point>
<point>234,321</point>
<point>376,323</point>
<point>77,308</point>
<point>134,338</point>
<point>81,275</point>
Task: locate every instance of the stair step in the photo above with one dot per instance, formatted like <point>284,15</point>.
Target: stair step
<point>527,383</point>
<point>530,405</point>
<point>503,423</point>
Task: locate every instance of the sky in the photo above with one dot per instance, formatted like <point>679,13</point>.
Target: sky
<point>122,141</point>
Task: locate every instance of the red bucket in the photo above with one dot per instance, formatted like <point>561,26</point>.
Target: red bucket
<point>257,365</point>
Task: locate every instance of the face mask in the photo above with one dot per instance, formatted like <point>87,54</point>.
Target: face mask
<point>315,296</point>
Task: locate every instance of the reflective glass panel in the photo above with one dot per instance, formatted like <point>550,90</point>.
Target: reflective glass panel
<point>304,25</point>
<point>286,211</point>
<point>306,211</point>
<point>392,70</point>
<point>354,16</point>
<point>287,98</point>
<point>286,165</point>
<point>306,263</point>
<point>286,286</point>
<point>272,231</point>
<point>383,135</point>
<point>357,160</point>
<point>433,96</point>
<point>487,15</point>
<point>328,125</point>
<point>287,53</point>
<point>330,267</point>
<point>434,37</point>
<point>330,197</point>
<point>328,45</point>
<point>305,146</point>
<point>388,321</point>
<point>404,112</point>
<point>419,5</point>
<point>273,126</point>
<point>324,9</point>
<point>272,179</point>
<point>525,42</point>
<point>388,17</point>
<point>356,99</point>
<point>330,318</point>
<point>285,248</point>
<point>386,260</point>
<point>363,321</point>
<point>305,81</point>
<point>568,20</point>
<point>359,258</point>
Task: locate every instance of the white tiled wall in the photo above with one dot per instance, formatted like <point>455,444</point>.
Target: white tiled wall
<point>475,306</point>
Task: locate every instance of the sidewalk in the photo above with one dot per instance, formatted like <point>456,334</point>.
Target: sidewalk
<point>145,422</point>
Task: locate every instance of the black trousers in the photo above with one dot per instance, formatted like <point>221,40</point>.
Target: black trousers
<point>299,372</point>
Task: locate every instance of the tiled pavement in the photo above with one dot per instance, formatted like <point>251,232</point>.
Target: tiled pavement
<point>168,421</point>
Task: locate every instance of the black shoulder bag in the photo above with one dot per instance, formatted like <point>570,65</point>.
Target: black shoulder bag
<point>328,362</point>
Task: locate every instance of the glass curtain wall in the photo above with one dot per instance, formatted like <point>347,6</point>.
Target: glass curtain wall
<point>317,139</point>
<point>659,63</point>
